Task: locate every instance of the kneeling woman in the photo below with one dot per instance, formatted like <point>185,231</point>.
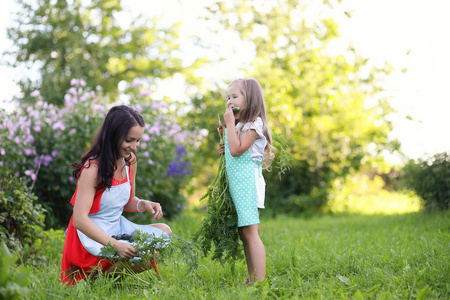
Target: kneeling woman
<point>105,188</point>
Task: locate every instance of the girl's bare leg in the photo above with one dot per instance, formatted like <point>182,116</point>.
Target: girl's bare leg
<point>255,253</point>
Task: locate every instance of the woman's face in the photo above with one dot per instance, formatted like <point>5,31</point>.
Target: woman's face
<point>131,141</point>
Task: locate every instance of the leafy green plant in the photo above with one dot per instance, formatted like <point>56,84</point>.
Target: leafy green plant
<point>152,249</point>
<point>219,228</point>
<point>429,177</point>
<point>21,218</point>
<point>13,280</point>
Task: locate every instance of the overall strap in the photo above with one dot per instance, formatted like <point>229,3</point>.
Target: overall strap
<point>126,169</point>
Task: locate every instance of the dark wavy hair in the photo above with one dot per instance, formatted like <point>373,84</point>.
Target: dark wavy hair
<point>105,146</point>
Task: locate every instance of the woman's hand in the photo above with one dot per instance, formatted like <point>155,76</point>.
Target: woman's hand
<point>221,149</point>
<point>125,250</point>
<point>154,208</point>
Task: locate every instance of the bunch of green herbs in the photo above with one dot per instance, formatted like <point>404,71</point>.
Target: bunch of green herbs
<point>152,248</point>
<point>219,228</point>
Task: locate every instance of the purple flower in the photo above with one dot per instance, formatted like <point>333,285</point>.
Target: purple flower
<point>37,128</point>
<point>179,168</point>
<point>146,93</point>
<point>86,118</point>
<point>136,82</point>
<point>35,93</point>
<point>154,130</point>
<point>59,125</point>
<point>74,82</point>
<point>174,130</point>
<point>47,160</point>
<point>146,154</point>
<point>28,151</point>
<point>2,151</point>
<point>72,131</point>
<point>54,153</point>
<point>98,107</point>
<point>73,91</point>
<point>138,108</point>
<point>70,178</point>
<point>145,137</point>
<point>151,162</point>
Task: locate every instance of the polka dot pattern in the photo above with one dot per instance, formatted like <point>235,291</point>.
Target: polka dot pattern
<point>241,181</point>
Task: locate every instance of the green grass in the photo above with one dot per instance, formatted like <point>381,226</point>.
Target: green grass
<point>328,257</point>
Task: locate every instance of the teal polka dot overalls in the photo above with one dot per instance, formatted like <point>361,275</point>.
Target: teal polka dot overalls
<point>241,181</point>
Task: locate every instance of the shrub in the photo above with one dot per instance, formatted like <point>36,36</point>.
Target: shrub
<point>430,179</point>
<point>298,192</point>
<point>21,218</point>
<point>13,280</point>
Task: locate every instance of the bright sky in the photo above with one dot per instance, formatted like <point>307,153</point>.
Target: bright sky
<point>411,34</point>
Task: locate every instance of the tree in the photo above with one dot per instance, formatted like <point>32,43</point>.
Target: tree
<point>318,101</point>
<point>82,39</point>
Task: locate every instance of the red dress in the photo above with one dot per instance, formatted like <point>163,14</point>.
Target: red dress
<point>77,263</point>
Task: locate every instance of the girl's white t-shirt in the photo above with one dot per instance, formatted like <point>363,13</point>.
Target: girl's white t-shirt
<point>257,148</point>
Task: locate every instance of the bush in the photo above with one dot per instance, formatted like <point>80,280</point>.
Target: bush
<point>21,219</point>
<point>430,179</point>
<point>299,192</point>
<point>13,280</point>
<point>40,142</point>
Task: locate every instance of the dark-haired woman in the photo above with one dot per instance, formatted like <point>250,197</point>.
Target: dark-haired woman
<point>105,188</point>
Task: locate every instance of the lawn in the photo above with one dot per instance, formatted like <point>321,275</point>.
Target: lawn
<point>328,257</point>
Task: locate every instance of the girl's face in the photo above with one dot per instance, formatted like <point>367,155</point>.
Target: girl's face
<point>235,97</point>
<point>131,141</point>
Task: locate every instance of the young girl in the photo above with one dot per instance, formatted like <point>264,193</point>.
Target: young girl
<point>247,149</point>
<point>105,188</point>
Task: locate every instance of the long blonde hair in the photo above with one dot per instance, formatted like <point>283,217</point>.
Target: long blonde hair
<point>255,107</point>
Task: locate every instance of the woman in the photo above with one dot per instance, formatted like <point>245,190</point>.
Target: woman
<point>105,188</point>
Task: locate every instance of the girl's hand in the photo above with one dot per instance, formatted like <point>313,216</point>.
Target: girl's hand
<point>221,149</point>
<point>154,208</point>
<point>229,117</point>
<point>125,250</point>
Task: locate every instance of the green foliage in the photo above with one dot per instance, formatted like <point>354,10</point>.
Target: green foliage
<point>83,39</point>
<point>218,232</point>
<point>162,249</point>
<point>21,218</point>
<point>429,177</point>
<point>360,194</point>
<point>13,280</point>
<point>284,158</point>
<point>328,257</point>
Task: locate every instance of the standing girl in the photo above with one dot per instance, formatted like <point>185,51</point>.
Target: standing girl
<point>105,188</point>
<point>247,149</point>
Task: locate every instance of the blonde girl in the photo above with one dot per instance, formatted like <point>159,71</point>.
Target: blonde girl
<point>247,150</point>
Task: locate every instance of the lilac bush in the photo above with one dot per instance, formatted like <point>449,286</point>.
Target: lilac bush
<point>39,143</point>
